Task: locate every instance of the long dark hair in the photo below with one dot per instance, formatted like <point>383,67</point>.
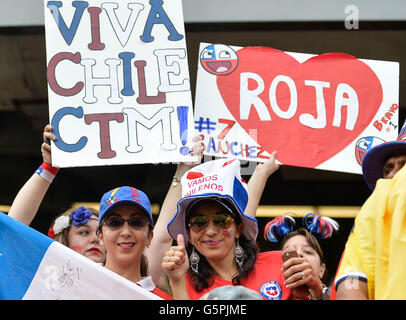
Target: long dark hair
<point>144,261</point>
<point>205,277</point>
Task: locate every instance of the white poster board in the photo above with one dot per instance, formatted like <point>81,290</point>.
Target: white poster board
<point>118,82</point>
<point>317,111</point>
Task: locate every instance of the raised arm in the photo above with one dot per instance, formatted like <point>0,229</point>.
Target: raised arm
<point>162,240</point>
<point>257,182</point>
<point>26,204</point>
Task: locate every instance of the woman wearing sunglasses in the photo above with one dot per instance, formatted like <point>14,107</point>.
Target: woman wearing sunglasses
<point>216,240</point>
<point>125,230</point>
<point>29,198</point>
<point>134,248</point>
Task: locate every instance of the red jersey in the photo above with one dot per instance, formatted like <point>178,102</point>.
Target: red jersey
<point>149,285</point>
<point>163,294</point>
<point>266,278</point>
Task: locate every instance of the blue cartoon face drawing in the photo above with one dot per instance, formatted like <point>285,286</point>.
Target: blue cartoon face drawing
<point>363,145</point>
<point>219,59</point>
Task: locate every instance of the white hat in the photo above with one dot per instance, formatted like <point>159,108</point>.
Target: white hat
<point>221,181</point>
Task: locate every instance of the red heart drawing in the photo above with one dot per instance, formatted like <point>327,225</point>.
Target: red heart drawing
<point>298,144</point>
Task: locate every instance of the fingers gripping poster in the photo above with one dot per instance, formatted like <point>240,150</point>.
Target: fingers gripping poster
<point>118,82</point>
<point>317,111</point>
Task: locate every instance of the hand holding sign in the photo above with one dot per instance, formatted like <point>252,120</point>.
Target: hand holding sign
<point>267,168</point>
<point>118,95</point>
<point>46,145</point>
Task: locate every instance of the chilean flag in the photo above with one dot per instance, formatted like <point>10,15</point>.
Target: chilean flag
<point>35,267</point>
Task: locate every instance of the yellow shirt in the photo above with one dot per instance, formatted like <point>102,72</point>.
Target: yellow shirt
<point>376,249</point>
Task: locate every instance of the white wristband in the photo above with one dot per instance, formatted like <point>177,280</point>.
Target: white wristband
<point>45,175</point>
<point>47,172</point>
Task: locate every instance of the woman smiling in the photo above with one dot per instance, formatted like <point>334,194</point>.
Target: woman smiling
<point>125,230</point>
<point>216,239</point>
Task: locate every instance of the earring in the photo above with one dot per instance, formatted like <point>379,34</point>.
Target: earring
<point>194,261</point>
<point>239,254</point>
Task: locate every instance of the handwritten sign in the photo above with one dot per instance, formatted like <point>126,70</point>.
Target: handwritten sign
<point>33,266</point>
<point>318,111</point>
<point>118,82</point>
<point>66,275</point>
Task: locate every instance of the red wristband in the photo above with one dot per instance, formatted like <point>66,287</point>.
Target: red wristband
<point>46,166</point>
<point>47,172</point>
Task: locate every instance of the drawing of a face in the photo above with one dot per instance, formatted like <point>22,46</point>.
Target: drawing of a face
<point>363,145</point>
<point>219,59</point>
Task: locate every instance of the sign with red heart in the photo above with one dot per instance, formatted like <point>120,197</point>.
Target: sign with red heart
<point>311,109</point>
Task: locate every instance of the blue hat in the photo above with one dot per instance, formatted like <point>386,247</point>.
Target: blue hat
<point>218,180</point>
<point>375,158</point>
<point>124,195</point>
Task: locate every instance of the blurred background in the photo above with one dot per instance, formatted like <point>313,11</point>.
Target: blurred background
<point>369,29</point>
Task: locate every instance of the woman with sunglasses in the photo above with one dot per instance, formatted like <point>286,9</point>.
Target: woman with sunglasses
<point>134,247</point>
<point>29,198</point>
<point>216,240</point>
<point>125,230</point>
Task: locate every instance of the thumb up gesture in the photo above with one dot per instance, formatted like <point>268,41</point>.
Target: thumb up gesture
<point>175,262</point>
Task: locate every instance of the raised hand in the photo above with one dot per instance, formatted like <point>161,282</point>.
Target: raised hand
<point>267,168</point>
<point>176,261</point>
<point>299,274</point>
<point>46,145</point>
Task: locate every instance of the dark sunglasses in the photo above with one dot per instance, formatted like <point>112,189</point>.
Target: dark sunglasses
<point>136,222</point>
<point>198,223</point>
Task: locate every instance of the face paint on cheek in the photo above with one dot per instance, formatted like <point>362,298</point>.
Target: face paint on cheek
<point>228,233</point>
<point>76,248</point>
